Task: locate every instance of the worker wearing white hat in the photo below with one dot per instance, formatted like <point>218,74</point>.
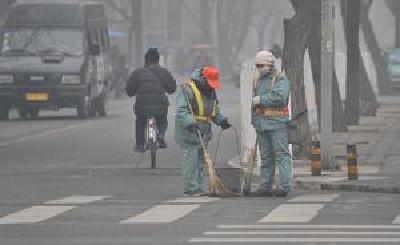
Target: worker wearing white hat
<point>270,115</point>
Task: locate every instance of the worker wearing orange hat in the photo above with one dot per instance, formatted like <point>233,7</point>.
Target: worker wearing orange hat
<point>197,107</point>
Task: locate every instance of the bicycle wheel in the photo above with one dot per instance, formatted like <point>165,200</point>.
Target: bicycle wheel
<point>153,153</point>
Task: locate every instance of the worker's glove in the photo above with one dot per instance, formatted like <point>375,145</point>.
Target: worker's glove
<point>193,127</point>
<point>256,100</point>
<point>225,124</point>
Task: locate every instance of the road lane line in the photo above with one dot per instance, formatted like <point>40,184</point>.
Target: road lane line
<point>314,198</point>
<point>308,227</point>
<point>161,214</point>
<point>292,213</point>
<point>76,200</point>
<point>295,240</point>
<point>35,214</point>
<point>204,199</point>
<point>50,132</point>
<point>303,232</point>
<point>396,221</point>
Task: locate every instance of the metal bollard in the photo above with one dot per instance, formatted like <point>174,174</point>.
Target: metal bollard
<point>352,167</point>
<point>316,158</point>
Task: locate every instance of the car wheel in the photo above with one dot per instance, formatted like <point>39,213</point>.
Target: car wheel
<point>23,113</point>
<point>101,105</point>
<point>34,113</point>
<point>83,108</point>
<point>4,112</point>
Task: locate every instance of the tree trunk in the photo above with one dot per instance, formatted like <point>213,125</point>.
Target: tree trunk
<point>394,6</point>
<point>383,79</point>
<point>296,32</point>
<point>369,103</point>
<point>205,20</point>
<point>397,25</point>
<point>293,65</point>
<point>4,8</point>
<point>352,28</point>
<point>137,26</point>
<point>314,49</point>
<point>338,119</point>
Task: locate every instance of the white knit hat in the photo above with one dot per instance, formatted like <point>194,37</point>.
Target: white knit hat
<point>265,58</point>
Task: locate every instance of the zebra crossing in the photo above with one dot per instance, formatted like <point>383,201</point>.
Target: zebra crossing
<point>48,210</point>
<point>308,207</point>
<point>287,221</point>
<point>374,234</point>
<point>169,211</point>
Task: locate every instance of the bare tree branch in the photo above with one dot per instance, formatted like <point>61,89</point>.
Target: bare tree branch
<point>120,10</point>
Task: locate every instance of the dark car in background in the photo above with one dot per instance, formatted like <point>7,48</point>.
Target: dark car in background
<point>54,54</point>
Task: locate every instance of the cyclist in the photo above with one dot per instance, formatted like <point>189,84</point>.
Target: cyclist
<point>150,84</point>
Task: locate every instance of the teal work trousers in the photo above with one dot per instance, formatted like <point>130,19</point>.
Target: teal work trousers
<point>193,168</point>
<point>274,151</point>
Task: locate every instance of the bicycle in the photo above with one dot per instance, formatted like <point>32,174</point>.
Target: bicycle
<point>151,140</point>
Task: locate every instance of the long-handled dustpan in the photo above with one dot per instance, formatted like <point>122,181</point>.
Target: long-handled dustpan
<point>248,176</point>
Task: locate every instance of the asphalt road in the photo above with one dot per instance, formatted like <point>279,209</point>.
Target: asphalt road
<point>65,181</point>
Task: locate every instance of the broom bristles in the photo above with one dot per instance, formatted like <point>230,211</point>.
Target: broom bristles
<point>249,174</point>
<point>215,185</point>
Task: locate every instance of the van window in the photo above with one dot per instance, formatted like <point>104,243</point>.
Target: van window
<point>32,42</point>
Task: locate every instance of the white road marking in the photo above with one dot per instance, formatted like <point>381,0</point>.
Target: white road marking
<point>396,221</point>
<point>292,213</point>
<point>35,214</point>
<point>194,199</point>
<point>314,198</point>
<point>308,227</point>
<point>53,131</point>
<point>302,232</point>
<point>295,240</point>
<point>76,200</point>
<point>162,214</point>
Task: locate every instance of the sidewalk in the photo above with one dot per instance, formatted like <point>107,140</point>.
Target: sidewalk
<point>378,162</point>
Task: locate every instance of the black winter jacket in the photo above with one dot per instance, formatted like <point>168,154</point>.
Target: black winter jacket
<point>149,85</point>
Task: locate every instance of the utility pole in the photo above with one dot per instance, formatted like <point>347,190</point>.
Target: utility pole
<point>327,57</point>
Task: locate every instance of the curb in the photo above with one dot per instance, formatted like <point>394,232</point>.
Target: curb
<point>304,185</point>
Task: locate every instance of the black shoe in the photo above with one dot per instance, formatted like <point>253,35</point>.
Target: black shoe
<point>162,144</point>
<point>280,193</point>
<point>191,194</point>
<point>261,193</point>
<point>140,148</point>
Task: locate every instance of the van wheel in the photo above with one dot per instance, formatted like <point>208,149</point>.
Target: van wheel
<point>4,112</point>
<point>23,113</point>
<point>82,109</point>
<point>101,106</point>
<point>92,109</point>
<point>34,113</point>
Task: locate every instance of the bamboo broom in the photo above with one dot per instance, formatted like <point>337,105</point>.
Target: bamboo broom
<point>215,185</point>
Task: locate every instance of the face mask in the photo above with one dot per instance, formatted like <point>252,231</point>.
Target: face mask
<point>263,70</point>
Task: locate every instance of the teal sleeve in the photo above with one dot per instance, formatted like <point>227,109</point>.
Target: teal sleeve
<point>278,96</point>
<point>219,117</point>
<point>183,114</point>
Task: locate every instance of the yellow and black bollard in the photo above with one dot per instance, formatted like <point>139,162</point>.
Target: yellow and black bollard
<point>316,158</point>
<point>352,167</point>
